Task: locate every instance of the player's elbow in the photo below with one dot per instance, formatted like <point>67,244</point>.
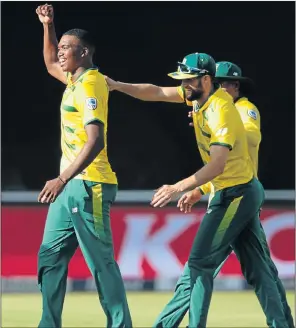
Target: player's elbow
<point>53,68</point>
<point>99,145</point>
<point>219,166</point>
<point>153,93</point>
<point>219,155</point>
<point>96,145</point>
<point>51,71</point>
<point>50,63</point>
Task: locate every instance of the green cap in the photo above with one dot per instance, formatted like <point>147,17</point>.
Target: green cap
<point>228,71</point>
<point>194,65</point>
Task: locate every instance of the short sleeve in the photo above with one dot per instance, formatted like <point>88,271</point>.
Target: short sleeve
<point>223,124</point>
<point>181,93</point>
<point>91,103</point>
<point>251,121</point>
<point>206,188</point>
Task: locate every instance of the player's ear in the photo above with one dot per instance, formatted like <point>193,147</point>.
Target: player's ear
<point>207,78</point>
<point>85,52</point>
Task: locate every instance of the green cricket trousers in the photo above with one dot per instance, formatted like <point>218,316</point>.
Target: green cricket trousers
<point>174,312</point>
<point>232,218</point>
<point>81,216</point>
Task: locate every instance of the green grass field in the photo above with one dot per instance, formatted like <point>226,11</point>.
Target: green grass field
<point>228,309</point>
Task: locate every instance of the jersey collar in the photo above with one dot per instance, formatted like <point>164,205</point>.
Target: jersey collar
<point>240,99</point>
<point>208,101</point>
<point>79,76</point>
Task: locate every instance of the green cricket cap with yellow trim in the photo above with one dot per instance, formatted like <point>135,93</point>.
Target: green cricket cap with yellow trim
<point>228,71</point>
<point>195,65</point>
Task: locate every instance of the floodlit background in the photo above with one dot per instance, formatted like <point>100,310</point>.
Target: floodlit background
<point>149,144</point>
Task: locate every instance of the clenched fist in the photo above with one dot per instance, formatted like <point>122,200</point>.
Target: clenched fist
<point>45,14</point>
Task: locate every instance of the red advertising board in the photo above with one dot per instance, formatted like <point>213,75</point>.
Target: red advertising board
<point>148,242</point>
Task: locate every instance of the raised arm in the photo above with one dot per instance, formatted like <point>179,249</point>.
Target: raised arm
<point>50,43</point>
<point>146,92</point>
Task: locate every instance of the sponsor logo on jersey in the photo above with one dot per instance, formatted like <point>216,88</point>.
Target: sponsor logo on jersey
<point>91,103</point>
<point>252,114</point>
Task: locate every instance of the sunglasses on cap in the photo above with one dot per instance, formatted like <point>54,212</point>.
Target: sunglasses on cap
<point>187,69</point>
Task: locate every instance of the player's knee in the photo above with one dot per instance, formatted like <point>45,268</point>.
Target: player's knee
<point>44,260</point>
<point>250,278</point>
<point>45,249</point>
<point>183,287</point>
<point>202,263</point>
<point>48,255</point>
<point>272,268</point>
<point>50,259</point>
<point>196,263</point>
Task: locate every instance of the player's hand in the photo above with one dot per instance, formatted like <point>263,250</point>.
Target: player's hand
<point>190,116</point>
<point>112,85</point>
<point>51,191</point>
<point>186,202</point>
<point>45,14</point>
<point>164,195</point>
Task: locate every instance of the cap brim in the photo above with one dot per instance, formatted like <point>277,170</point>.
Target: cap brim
<point>182,76</point>
<point>247,86</point>
<point>234,78</point>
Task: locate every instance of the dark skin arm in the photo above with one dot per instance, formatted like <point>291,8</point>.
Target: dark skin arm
<point>50,43</point>
<point>91,149</point>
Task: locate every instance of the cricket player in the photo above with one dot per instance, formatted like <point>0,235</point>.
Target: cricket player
<point>232,217</point>
<point>81,196</point>
<point>230,77</point>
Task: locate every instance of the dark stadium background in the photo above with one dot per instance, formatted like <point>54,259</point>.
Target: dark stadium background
<point>149,143</point>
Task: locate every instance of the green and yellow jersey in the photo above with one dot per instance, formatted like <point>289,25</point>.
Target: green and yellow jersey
<point>218,122</point>
<point>251,120</point>
<point>85,101</point>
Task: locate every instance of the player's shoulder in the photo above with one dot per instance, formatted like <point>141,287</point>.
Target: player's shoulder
<point>93,79</point>
<point>93,76</point>
<point>246,103</point>
<point>221,100</point>
<point>245,106</point>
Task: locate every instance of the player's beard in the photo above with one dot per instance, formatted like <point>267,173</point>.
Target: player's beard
<point>196,93</point>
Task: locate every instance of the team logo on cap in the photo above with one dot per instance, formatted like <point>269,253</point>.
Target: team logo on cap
<point>91,103</point>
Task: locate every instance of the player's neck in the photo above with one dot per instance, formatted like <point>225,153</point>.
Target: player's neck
<point>80,70</point>
<point>237,96</point>
<point>207,94</point>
